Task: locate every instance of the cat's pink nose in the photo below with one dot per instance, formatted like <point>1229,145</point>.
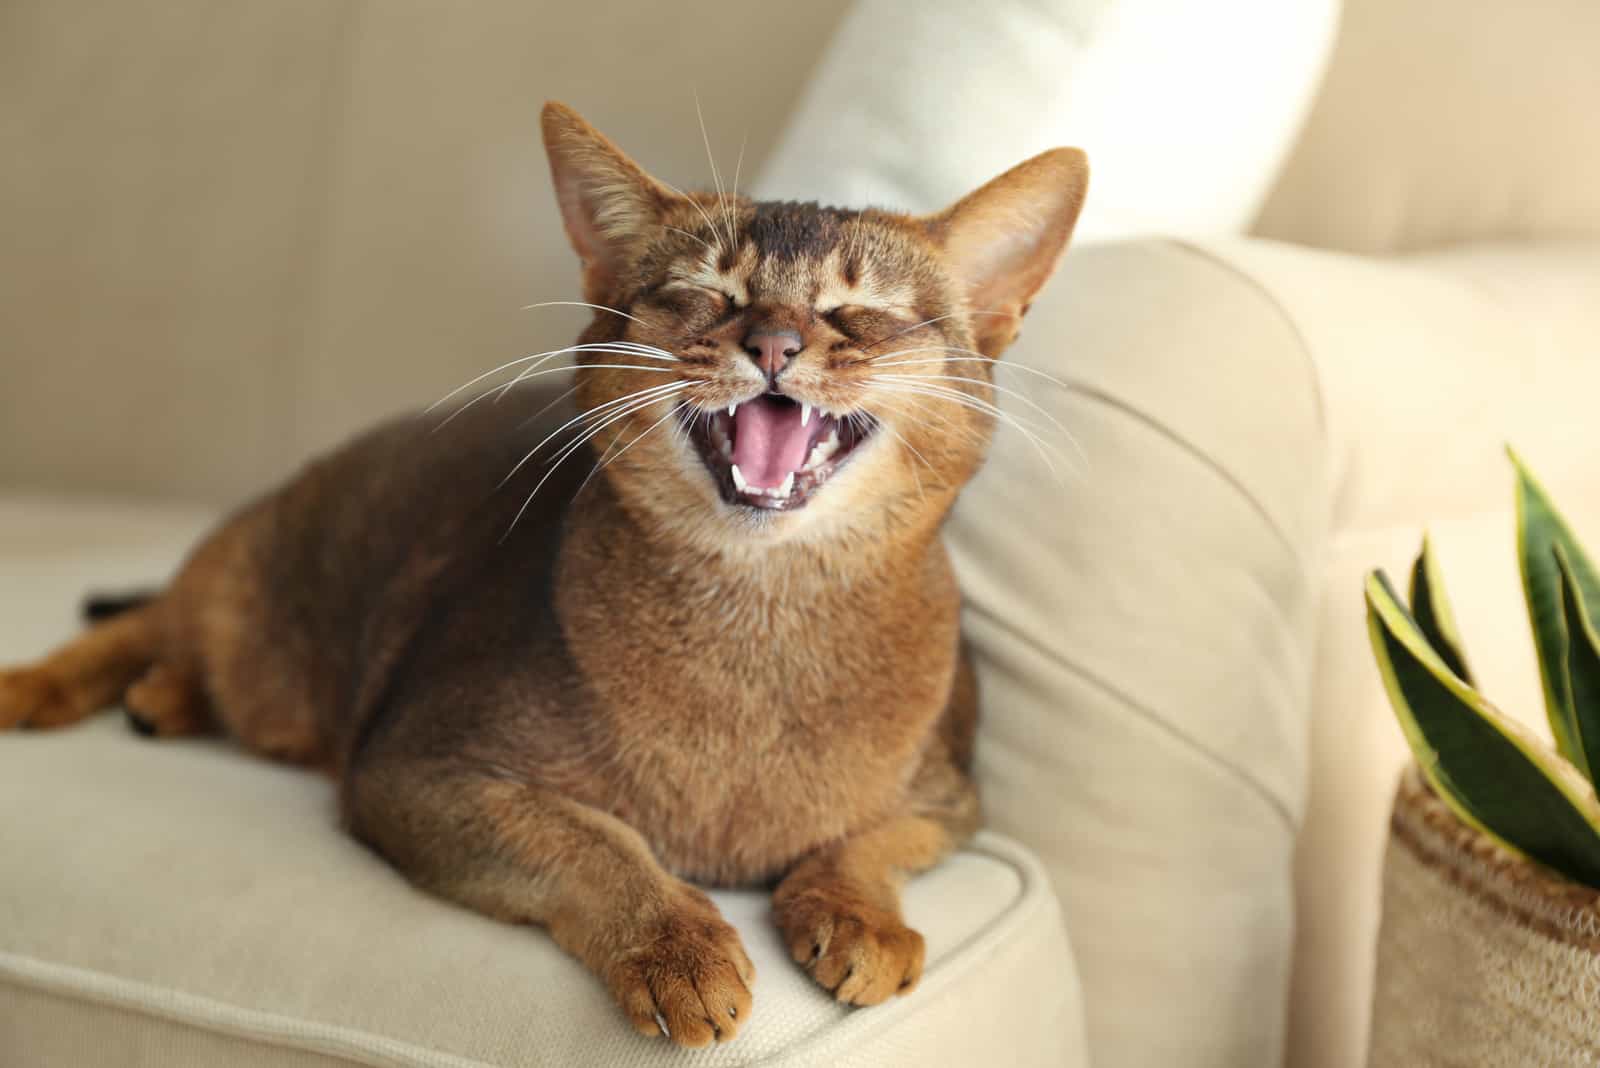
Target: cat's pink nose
<point>772,349</point>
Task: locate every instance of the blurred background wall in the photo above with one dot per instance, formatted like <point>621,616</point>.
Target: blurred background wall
<point>233,232</point>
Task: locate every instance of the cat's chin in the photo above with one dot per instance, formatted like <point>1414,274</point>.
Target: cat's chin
<point>792,460</point>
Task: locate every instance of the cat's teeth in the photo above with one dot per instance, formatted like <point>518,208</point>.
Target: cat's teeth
<point>786,487</point>
<point>805,413</point>
<point>733,408</point>
<point>738,480</point>
<point>822,450</point>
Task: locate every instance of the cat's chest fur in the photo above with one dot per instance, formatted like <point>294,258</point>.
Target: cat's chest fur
<point>743,718</point>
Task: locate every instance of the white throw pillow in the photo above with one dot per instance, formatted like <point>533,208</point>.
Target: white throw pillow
<point>1187,110</point>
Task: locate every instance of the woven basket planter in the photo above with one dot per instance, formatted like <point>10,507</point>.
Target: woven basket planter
<point>1483,958</point>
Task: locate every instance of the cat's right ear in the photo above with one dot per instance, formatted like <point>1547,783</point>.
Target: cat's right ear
<point>608,203</point>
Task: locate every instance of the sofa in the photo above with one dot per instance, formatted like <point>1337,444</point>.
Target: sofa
<point>239,231</point>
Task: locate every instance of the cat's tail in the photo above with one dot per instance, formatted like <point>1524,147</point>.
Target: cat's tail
<point>98,607</point>
<point>89,673</point>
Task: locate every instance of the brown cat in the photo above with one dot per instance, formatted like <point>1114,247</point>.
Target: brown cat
<point>730,656</point>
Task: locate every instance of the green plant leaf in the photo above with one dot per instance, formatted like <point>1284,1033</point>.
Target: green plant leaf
<point>1540,528</point>
<point>1431,609</point>
<point>1493,773</point>
<point>1582,665</point>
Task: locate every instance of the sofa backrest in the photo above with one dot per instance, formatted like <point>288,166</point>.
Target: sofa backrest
<point>1441,123</point>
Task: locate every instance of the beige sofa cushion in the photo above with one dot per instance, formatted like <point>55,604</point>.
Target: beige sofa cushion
<point>181,903</point>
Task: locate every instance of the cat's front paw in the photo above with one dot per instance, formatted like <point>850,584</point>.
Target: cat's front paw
<point>33,697</point>
<point>863,954</point>
<point>685,975</point>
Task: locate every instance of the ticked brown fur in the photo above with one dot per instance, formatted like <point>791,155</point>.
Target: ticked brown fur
<point>559,715</point>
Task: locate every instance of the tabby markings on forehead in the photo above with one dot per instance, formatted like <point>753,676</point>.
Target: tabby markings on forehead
<point>706,273</point>
<point>796,282</point>
<point>869,290</point>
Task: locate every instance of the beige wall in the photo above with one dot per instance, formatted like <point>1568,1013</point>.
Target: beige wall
<point>235,231</point>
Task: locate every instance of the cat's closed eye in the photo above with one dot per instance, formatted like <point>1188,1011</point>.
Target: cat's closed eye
<point>698,304</point>
<point>859,322</point>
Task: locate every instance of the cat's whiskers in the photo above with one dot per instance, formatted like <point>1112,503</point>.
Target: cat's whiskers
<point>709,247</point>
<point>716,175</point>
<point>738,165</point>
<point>534,372</point>
<point>948,424</point>
<point>501,390</point>
<point>955,396</point>
<point>1023,397</point>
<point>648,394</point>
<point>582,304</point>
<point>534,418</point>
<point>587,434</point>
<point>960,355</point>
<point>921,493</point>
<point>604,462</point>
<point>716,249</point>
<point>631,348</point>
<point>926,322</point>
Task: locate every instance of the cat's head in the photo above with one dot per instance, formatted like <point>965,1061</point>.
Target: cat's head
<point>770,371</point>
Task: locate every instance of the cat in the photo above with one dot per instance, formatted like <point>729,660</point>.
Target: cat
<point>726,651</point>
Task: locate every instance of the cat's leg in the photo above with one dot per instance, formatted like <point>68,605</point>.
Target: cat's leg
<point>525,854</point>
<point>82,677</point>
<point>838,909</point>
<point>169,701</point>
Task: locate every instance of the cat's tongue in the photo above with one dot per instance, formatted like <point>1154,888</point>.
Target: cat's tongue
<point>768,441</point>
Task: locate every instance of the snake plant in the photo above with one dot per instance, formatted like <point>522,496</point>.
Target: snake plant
<point>1496,775</point>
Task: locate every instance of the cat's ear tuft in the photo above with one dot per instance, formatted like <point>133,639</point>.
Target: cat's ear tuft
<point>608,203</point>
<point>1003,240</point>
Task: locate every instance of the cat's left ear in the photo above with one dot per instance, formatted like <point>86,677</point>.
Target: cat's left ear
<point>1003,240</point>
<point>608,203</point>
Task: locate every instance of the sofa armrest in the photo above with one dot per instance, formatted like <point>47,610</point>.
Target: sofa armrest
<point>1143,630</point>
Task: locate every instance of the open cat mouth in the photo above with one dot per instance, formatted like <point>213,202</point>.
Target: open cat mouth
<point>774,452</point>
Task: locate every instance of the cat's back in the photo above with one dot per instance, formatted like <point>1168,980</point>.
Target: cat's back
<point>332,576</point>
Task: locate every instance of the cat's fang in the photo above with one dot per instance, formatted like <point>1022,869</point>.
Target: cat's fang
<point>732,408</point>
<point>785,487</point>
<point>805,413</point>
<point>738,480</point>
<point>823,450</point>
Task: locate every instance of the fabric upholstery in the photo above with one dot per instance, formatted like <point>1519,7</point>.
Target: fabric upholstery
<point>182,903</point>
<point>1143,628</point>
<point>1150,89</point>
<point>1437,124</point>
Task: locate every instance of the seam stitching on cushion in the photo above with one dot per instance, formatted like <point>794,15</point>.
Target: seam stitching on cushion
<point>1277,305</point>
<point>190,1010</point>
<point>1254,784</point>
<point>1118,404</point>
<point>78,1003</point>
